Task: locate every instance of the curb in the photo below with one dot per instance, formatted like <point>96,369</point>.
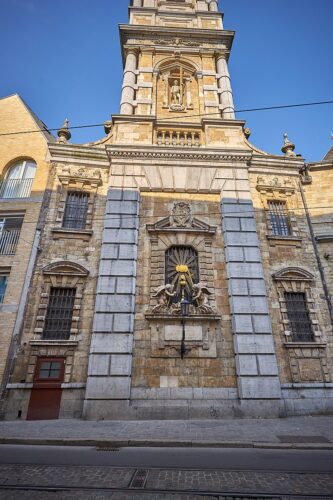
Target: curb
<point>96,443</point>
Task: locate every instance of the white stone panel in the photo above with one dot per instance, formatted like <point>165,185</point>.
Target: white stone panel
<point>249,305</point>
<point>268,365</point>
<point>121,364</point>
<point>248,270</point>
<point>108,388</point>
<point>111,343</point>
<point>99,364</point>
<point>259,388</point>
<point>255,344</point>
<point>247,365</point>
<point>241,239</point>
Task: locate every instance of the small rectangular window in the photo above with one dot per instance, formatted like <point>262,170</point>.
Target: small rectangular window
<point>298,315</point>
<point>76,209</point>
<point>279,218</point>
<point>3,286</point>
<point>59,313</point>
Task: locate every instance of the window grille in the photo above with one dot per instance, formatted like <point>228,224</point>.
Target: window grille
<point>298,315</point>
<point>10,229</point>
<point>59,313</point>
<point>279,218</point>
<point>181,256</point>
<point>76,209</point>
<point>3,286</point>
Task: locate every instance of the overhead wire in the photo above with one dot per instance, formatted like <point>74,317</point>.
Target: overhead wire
<point>174,118</point>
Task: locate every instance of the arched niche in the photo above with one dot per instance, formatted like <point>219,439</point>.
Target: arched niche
<point>177,86</point>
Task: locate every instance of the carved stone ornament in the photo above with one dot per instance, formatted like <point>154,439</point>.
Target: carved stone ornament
<point>272,185</point>
<point>67,172</point>
<point>181,219</point>
<point>181,215</point>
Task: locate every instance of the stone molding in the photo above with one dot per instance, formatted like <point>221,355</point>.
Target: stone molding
<point>175,155</point>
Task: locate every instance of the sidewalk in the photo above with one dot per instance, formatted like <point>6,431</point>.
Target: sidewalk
<point>295,432</point>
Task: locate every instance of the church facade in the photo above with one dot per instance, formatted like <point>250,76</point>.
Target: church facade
<point>183,272</point>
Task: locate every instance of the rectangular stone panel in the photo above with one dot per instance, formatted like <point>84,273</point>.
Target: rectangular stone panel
<point>120,236</point>
<point>259,388</point>
<point>99,364</point>
<point>247,365</point>
<point>121,364</point>
<point>111,343</point>
<point>254,344</point>
<point>245,239</point>
<point>249,305</point>
<point>108,388</point>
<point>248,270</point>
<point>267,365</point>
<point>114,303</point>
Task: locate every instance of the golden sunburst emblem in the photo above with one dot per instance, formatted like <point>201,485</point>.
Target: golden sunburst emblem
<point>182,268</point>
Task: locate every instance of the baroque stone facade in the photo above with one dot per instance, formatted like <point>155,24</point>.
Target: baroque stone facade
<point>182,271</point>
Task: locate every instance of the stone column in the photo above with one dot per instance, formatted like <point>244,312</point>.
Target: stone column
<point>256,363</point>
<point>213,6</point>
<point>129,82</point>
<point>225,90</point>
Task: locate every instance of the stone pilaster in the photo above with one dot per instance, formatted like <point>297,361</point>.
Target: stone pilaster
<point>129,83</point>
<point>256,362</point>
<point>110,362</point>
<point>225,90</point>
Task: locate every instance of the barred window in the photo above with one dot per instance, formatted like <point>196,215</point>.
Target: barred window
<point>59,313</point>
<point>181,261</point>
<point>279,218</point>
<point>10,229</point>
<point>76,209</point>
<point>298,315</point>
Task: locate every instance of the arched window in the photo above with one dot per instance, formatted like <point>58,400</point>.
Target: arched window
<point>181,261</point>
<point>18,180</point>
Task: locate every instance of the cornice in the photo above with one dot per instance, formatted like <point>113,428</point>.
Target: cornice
<point>161,153</point>
<point>71,151</point>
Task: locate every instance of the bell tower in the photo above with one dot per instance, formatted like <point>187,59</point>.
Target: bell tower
<point>175,56</point>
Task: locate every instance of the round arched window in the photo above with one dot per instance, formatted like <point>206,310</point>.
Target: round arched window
<point>18,180</point>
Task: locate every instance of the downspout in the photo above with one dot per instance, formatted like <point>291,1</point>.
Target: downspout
<point>315,246</point>
<point>17,330</point>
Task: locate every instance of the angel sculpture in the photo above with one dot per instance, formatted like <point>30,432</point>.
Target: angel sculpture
<point>164,294</point>
<point>200,297</point>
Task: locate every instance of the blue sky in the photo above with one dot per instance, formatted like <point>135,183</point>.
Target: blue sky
<point>63,58</point>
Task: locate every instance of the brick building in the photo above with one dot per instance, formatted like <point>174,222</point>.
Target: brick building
<point>183,272</point>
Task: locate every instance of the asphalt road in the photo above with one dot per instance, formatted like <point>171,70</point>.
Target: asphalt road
<point>180,458</point>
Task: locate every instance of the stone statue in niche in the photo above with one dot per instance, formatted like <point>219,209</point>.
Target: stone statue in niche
<point>177,90</point>
<point>200,298</point>
<point>164,295</point>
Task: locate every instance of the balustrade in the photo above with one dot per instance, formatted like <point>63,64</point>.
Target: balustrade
<point>16,188</point>
<point>178,138</point>
<point>8,241</point>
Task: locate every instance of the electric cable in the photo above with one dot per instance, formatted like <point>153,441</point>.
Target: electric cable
<point>201,115</point>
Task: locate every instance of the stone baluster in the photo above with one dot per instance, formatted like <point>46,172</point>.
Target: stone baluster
<point>225,91</point>
<point>129,82</point>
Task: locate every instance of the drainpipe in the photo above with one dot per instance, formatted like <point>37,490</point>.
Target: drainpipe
<point>315,246</point>
<point>17,330</point>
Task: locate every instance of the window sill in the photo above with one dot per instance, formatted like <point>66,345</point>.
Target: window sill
<point>74,234</point>
<point>292,345</point>
<point>274,240</point>
<point>54,342</point>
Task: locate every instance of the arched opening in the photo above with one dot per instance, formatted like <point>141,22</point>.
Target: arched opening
<point>181,263</point>
<point>18,180</point>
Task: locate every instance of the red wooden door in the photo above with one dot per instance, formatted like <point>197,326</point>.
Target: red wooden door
<point>45,396</point>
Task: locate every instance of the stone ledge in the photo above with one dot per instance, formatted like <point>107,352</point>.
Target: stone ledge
<point>77,234</point>
<point>173,317</point>
<point>54,343</point>
<point>320,345</point>
<point>284,240</point>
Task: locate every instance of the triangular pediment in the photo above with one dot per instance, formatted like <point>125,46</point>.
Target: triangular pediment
<point>181,219</point>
